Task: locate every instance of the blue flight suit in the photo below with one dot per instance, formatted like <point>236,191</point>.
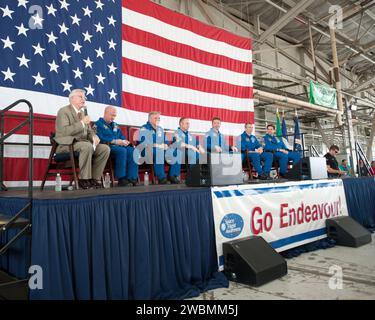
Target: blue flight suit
<point>148,136</point>
<point>213,138</point>
<point>271,144</point>
<point>125,166</point>
<point>180,136</point>
<point>251,143</point>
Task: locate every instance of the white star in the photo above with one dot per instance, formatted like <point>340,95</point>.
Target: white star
<point>87,36</point>
<point>51,10</point>
<point>23,61</point>
<point>99,5</point>
<point>38,50</point>
<point>38,20</point>
<point>53,66</point>
<point>75,19</point>
<point>99,28</point>
<point>7,12</point>
<point>111,21</point>
<point>99,53</point>
<point>7,43</point>
<point>8,75</point>
<point>112,95</point>
<point>112,68</point>
<point>88,63</point>
<point>112,44</point>
<point>22,30</point>
<point>89,90</point>
<point>51,37</point>
<point>38,79</point>
<point>66,85</point>
<point>64,5</point>
<point>77,74</point>
<point>87,11</point>
<point>63,28</point>
<point>77,47</point>
<point>100,78</point>
<point>22,3</point>
<point>64,57</point>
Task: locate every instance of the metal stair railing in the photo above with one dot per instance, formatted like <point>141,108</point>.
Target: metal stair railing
<point>314,152</point>
<point>362,156</point>
<point>17,222</point>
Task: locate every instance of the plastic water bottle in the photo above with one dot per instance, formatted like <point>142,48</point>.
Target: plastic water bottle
<point>245,176</point>
<point>107,181</point>
<point>58,186</point>
<point>146,180</point>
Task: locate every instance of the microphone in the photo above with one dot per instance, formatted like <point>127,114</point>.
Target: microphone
<point>85,110</point>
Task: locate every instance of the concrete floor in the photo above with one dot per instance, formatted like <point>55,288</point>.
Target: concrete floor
<point>308,278</point>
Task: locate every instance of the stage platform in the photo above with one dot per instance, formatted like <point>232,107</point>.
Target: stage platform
<point>154,242</point>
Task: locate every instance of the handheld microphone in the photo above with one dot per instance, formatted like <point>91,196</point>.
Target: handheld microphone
<point>85,110</point>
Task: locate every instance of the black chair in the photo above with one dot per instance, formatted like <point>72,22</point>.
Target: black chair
<point>65,163</point>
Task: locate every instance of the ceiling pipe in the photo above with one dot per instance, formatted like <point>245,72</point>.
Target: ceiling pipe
<point>294,102</point>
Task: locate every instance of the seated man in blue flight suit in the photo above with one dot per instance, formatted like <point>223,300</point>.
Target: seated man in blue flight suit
<point>250,147</point>
<point>152,138</point>
<point>183,144</point>
<point>215,140</point>
<point>279,150</point>
<point>126,169</point>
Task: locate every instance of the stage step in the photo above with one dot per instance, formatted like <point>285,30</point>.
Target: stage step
<point>13,289</point>
<point>19,223</point>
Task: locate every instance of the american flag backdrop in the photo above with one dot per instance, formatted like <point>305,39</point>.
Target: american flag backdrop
<point>135,55</point>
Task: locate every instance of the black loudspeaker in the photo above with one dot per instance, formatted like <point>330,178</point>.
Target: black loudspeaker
<point>309,168</point>
<point>252,261</point>
<point>222,169</point>
<point>347,232</point>
<point>198,175</point>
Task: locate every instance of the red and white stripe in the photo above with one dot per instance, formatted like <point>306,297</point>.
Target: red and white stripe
<point>171,63</point>
<point>182,67</point>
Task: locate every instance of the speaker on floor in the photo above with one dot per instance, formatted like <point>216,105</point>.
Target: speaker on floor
<point>347,232</point>
<point>252,261</point>
<point>222,169</point>
<point>309,168</point>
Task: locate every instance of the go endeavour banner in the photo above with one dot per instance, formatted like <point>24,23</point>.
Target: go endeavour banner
<point>286,215</point>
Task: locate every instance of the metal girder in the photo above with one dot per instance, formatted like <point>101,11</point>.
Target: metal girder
<point>206,14</point>
<point>363,85</point>
<point>285,19</point>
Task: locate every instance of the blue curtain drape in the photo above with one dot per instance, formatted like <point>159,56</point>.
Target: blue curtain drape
<point>360,199</point>
<point>17,259</point>
<point>137,246</point>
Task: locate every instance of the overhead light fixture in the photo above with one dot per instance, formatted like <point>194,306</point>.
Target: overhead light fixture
<point>353,107</point>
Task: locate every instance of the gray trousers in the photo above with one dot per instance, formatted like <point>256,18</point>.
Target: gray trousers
<point>91,163</point>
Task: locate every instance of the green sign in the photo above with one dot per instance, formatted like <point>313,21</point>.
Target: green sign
<point>322,95</point>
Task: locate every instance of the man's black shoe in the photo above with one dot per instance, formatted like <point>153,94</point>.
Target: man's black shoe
<point>123,182</point>
<point>163,181</point>
<point>84,184</point>
<point>174,180</point>
<point>133,182</point>
<point>96,184</point>
<point>263,176</point>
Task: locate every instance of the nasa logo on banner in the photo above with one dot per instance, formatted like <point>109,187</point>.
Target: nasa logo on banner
<point>231,225</point>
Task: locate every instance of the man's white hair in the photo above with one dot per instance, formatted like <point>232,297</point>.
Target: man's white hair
<point>75,92</point>
<point>153,113</point>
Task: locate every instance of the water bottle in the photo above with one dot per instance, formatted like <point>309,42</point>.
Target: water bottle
<point>58,186</point>
<point>245,176</point>
<point>146,180</point>
<point>107,181</point>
